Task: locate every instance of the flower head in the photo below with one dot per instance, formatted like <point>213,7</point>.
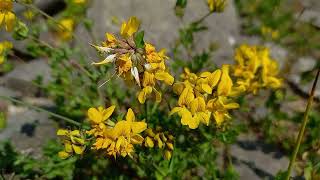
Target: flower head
<point>216,5</point>
<point>204,95</point>
<point>117,138</point>
<point>143,65</point>
<point>254,69</point>
<point>74,142</point>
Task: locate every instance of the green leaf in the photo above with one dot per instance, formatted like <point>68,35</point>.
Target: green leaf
<point>139,39</point>
<point>20,31</point>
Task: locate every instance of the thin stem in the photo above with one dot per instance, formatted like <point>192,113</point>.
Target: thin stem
<point>203,18</point>
<point>303,126</point>
<point>41,109</point>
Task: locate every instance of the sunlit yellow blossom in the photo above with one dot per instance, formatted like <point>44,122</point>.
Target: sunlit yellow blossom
<point>203,95</point>
<point>65,29</point>
<point>99,118</point>
<point>4,48</point>
<point>254,69</point>
<point>74,142</point>
<point>120,138</point>
<point>219,107</point>
<point>7,17</point>
<point>216,5</point>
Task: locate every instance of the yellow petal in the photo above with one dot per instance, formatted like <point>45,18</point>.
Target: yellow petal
<point>130,115</point>
<point>142,96</point>
<point>137,139</point>
<point>225,85</point>
<point>214,78</point>
<point>94,115</point>
<point>148,142</point>
<point>63,155</point>
<point>206,88</point>
<point>77,149</point>
<point>108,112</point>
<point>62,132</point>
<point>169,145</point>
<point>175,110</point>
<point>178,87</point>
<point>164,76</point>
<point>75,133</point>
<point>68,147</point>
<point>138,127</point>
<point>167,154</point>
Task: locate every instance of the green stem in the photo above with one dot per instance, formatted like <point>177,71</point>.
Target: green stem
<point>41,109</point>
<point>303,126</point>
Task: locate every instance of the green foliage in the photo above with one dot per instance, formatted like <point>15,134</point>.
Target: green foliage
<point>24,166</point>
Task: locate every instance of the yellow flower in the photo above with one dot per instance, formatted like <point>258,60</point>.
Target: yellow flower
<point>216,5</point>
<point>74,142</point>
<point>119,139</point>
<point>144,65</point>
<point>65,29</point>
<point>225,85</point>
<point>219,107</point>
<point>5,46</point>
<point>130,27</point>
<point>254,69</point>
<point>7,17</point>
<point>98,118</point>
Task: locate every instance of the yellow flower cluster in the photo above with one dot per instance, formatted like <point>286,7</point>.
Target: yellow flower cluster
<point>115,138</point>
<point>74,142</point>
<point>142,65</point>
<point>162,140</point>
<point>216,5</point>
<point>7,17</point>
<point>5,46</point>
<point>254,69</point>
<point>203,96</point>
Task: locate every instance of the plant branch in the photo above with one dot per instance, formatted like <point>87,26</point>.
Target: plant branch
<point>303,126</point>
<point>41,109</point>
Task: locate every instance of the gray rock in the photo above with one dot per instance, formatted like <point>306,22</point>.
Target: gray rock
<point>9,92</point>
<point>28,130</point>
<point>161,25</point>
<point>312,16</point>
<point>265,161</point>
<point>20,79</point>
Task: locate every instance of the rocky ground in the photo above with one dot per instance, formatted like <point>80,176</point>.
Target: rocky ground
<point>28,129</point>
